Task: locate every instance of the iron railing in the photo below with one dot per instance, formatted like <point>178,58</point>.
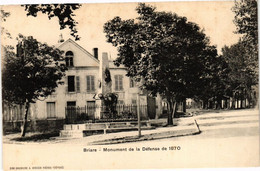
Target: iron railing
<point>87,113</point>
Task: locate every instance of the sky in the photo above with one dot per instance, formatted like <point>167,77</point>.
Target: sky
<point>216,18</point>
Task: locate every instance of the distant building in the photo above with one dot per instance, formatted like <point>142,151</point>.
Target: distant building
<point>240,99</point>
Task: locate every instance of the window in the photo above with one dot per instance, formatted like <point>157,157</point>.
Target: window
<point>69,58</point>
<point>120,102</point>
<point>132,83</point>
<point>71,83</point>
<point>90,83</point>
<point>51,110</point>
<point>118,82</point>
<point>71,104</point>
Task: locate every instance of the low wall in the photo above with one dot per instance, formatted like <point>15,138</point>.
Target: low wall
<point>54,125</point>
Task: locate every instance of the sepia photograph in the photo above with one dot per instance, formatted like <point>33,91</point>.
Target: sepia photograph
<point>130,85</point>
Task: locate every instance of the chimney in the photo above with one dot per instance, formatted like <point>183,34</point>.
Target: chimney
<point>95,52</point>
<point>60,39</point>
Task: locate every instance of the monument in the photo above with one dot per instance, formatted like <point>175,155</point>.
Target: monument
<point>105,100</point>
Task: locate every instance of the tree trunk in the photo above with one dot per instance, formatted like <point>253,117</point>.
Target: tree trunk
<point>174,108</point>
<point>219,104</point>
<point>184,105</point>
<point>210,104</point>
<point>205,104</point>
<point>170,111</point>
<point>27,106</point>
<point>233,103</point>
<point>256,103</point>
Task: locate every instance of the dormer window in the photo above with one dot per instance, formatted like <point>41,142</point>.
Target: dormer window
<point>69,58</point>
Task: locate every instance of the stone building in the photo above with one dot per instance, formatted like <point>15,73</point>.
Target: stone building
<point>83,82</point>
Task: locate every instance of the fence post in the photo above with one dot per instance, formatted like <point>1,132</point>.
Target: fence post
<point>138,116</point>
<point>66,115</point>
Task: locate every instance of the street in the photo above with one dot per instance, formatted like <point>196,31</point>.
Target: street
<point>228,139</point>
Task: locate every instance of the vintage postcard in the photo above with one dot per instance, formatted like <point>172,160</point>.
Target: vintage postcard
<point>137,85</point>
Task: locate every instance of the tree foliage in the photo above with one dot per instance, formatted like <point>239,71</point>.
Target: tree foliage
<point>168,53</point>
<point>64,13</point>
<point>247,25</point>
<point>214,83</point>
<point>228,73</point>
<point>246,19</point>
<point>32,73</point>
<point>4,15</point>
<point>239,73</point>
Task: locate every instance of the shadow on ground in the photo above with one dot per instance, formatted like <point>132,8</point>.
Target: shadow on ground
<point>36,137</point>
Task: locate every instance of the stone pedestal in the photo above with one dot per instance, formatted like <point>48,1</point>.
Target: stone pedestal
<point>98,109</point>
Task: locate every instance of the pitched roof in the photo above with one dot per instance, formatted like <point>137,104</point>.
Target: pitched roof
<point>80,47</point>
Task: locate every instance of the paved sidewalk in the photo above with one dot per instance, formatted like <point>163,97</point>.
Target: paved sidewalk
<point>186,126</point>
<point>230,119</point>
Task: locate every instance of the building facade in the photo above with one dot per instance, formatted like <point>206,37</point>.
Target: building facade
<point>83,83</point>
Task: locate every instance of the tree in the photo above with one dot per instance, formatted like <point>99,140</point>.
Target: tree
<point>64,13</point>
<point>164,50</point>
<point>31,74</point>
<point>227,73</point>
<point>239,73</point>
<point>240,76</point>
<point>214,82</point>
<point>246,19</point>
<point>247,25</point>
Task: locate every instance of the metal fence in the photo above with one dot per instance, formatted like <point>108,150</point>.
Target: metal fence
<point>87,114</point>
<point>14,113</point>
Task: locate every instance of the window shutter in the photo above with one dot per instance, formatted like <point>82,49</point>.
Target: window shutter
<point>131,82</point>
<point>78,84</point>
<point>51,109</point>
<point>116,82</point>
<point>66,84</point>
<point>120,82</point>
<point>92,83</point>
<point>88,83</point>
<point>48,109</point>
